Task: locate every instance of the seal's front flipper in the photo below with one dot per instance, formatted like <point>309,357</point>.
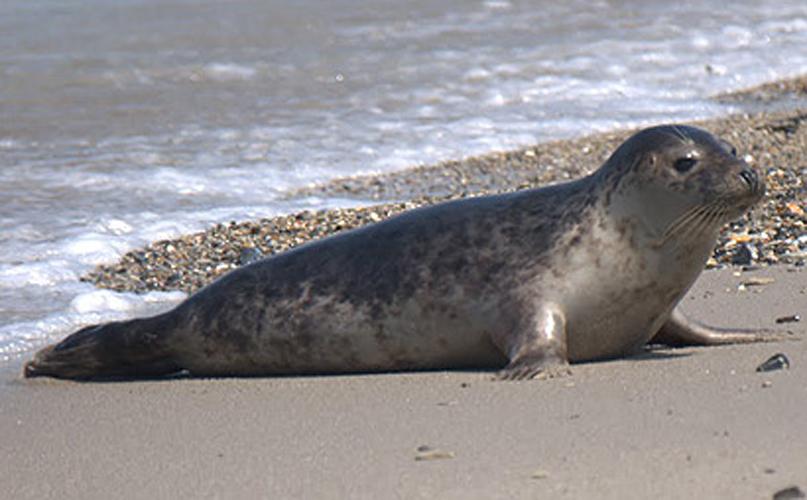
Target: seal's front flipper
<point>129,348</point>
<point>681,331</point>
<point>539,349</point>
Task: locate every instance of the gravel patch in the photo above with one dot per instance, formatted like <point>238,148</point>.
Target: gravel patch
<point>780,90</point>
<point>774,233</point>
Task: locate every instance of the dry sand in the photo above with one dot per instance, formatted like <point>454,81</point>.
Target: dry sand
<point>672,423</point>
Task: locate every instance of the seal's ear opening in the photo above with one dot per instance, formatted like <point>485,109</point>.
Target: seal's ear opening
<point>728,147</point>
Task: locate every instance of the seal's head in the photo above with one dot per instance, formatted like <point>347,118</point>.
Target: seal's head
<point>681,177</point>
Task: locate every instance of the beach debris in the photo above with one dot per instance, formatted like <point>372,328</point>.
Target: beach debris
<point>767,384</point>
<point>776,362</point>
<point>426,452</point>
<point>539,474</point>
<point>793,318</point>
<point>758,281</point>
<point>789,493</point>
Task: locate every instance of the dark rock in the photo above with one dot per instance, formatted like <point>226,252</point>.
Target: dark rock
<point>249,255</point>
<point>794,318</point>
<point>775,362</point>
<point>788,493</point>
<point>744,255</point>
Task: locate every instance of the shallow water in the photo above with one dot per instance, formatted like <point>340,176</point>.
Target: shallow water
<point>126,121</point>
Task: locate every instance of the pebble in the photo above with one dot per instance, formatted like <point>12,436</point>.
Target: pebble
<point>776,362</point>
<point>744,255</point>
<point>425,453</point>
<point>790,493</point>
<point>249,255</point>
<point>758,281</point>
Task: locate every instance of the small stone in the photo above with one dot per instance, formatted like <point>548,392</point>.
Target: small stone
<point>539,474</point>
<point>740,238</point>
<point>767,384</point>
<point>758,281</point>
<point>249,255</point>
<point>789,493</point>
<point>794,208</point>
<point>776,362</point>
<point>426,452</point>
<point>744,255</point>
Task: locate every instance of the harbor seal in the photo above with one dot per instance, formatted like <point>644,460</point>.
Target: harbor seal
<point>525,282</point>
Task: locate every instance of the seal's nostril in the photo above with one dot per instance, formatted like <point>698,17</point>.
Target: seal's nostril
<point>750,177</point>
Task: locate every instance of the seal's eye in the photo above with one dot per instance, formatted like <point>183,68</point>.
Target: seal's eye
<point>684,164</point>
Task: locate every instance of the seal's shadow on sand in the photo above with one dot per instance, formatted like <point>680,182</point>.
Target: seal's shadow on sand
<point>656,352</point>
<point>652,352</point>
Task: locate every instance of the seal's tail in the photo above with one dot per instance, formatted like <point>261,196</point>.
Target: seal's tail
<point>117,349</point>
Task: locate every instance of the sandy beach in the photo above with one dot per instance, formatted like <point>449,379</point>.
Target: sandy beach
<point>666,423</point>
<point>672,423</point>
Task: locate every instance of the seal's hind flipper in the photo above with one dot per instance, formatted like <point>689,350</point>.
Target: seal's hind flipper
<point>682,331</point>
<point>118,349</point>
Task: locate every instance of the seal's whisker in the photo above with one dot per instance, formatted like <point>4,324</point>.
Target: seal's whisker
<point>717,213</point>
<point>696,226</point>
<point>681,222</point>
<point>694,221</point>
<point>710,219</point>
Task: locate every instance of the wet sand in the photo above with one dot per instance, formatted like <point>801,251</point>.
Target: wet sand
<point>667,423</point>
